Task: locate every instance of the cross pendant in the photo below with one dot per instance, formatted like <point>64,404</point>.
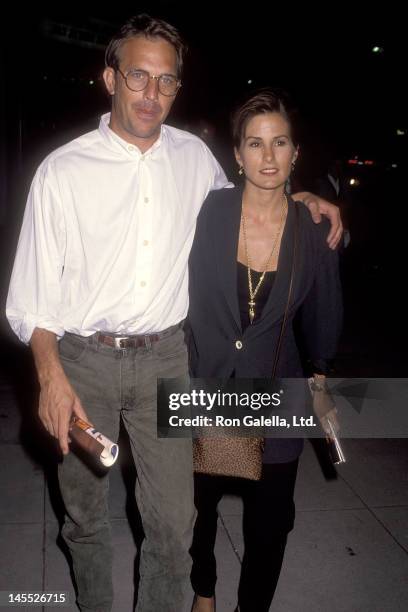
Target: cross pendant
<point>251,311</point>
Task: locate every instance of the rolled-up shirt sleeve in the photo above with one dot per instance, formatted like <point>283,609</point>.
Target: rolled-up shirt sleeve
<point>34,296</point>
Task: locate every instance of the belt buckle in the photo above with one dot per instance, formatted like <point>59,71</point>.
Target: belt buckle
<point>118,340</point>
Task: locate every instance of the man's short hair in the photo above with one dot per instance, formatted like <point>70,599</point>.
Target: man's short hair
<point>150,27</point>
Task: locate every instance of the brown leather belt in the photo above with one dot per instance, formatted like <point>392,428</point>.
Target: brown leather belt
<point>124,342</point>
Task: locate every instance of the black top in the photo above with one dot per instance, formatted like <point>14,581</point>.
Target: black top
<point>243,292</point>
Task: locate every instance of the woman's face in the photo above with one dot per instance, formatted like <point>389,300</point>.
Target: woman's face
<point>267,152</point>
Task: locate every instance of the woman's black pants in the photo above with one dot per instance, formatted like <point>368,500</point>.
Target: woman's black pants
<point>269,512</point>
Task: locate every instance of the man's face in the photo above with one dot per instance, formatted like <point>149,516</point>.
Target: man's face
<point>137,115</point>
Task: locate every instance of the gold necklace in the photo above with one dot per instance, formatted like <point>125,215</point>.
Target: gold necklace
<point>252,291</point>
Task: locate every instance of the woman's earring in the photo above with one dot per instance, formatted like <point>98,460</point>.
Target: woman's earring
<point>241,171</point>
<point>293,165</point>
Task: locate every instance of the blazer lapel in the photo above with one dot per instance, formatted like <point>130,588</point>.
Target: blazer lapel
<point>227,233</point>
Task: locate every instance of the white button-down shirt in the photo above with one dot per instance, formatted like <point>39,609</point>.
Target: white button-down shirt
<point>107,233</point>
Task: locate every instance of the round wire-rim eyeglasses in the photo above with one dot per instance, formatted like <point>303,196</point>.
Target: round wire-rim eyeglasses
<point>174,82</point>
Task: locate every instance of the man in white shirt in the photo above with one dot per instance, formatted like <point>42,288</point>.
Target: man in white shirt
<point>101,266</point>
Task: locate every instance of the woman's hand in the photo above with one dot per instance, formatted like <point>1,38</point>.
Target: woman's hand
<point>330,419</point>
<point>323,405</point>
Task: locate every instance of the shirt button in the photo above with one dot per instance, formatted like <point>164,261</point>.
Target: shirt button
<point>238,345</point>
<point>142,159</point>
<point>145,242</point>
<point>143,284</point>
<point>146,200</point>
<point>130,148</point>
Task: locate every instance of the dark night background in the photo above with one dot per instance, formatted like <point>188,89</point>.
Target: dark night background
<point>354,105</point>
<point>353,102</point>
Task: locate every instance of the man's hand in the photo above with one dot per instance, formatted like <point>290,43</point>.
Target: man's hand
<point>58,400</point>
<point>319,206</point>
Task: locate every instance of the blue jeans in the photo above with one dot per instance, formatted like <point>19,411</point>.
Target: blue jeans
<point>114,384</point>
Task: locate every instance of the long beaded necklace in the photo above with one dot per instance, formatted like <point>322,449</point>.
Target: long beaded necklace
<point>252,291</point>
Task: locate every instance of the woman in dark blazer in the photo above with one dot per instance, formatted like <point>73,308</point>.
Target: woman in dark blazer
<point>240,270</point>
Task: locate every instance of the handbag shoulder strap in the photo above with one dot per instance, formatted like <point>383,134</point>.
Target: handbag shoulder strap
<point>292,274</point>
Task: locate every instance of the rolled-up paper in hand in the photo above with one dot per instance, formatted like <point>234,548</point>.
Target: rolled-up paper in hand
<point>91,440</point>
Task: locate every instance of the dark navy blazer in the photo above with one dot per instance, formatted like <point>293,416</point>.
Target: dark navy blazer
<point>214,317</point>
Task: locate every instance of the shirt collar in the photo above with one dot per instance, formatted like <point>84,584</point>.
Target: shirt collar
<point>122,145</point>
